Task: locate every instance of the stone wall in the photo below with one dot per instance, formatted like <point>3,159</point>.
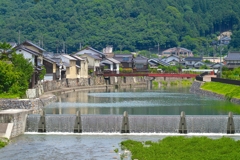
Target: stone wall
<point>33,104</point>
<point>196,89</point>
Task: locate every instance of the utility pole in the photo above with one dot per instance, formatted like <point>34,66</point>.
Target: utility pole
<point>221,49</point>
<point>19,37</point>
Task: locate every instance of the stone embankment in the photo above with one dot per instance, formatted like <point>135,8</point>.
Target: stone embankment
<point>196,89</point>
<point>45,93</point>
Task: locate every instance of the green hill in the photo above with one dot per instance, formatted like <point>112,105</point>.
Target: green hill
<point>125,24</point>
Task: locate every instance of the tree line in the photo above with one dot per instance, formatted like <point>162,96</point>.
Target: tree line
<point>66,26</point>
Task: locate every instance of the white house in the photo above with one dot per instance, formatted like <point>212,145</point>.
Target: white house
<point>82,65</point>
<point>111,64</point>
<point>90,50</point>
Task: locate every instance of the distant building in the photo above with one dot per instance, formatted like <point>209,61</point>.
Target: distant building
<point>232,60</point>
<point>178,51</point>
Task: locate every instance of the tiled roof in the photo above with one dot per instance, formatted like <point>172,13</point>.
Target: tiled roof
<point>193,59</point>
<point>69,57</point>
<point>233,56</point>
<point>21,47</point>
<point>29,42</point>
<point>77,57</point>
<point>93,56</point>
<point>113,60</point>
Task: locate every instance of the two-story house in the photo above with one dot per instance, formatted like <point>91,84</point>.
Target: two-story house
<point>111,65</point>
<point>191,61</point>
<point>140,64</point>
<point>232,60</point>
<point>93,63</point>
<point>34,53</point>
<point>70,64</point>
<point>125,59</point>
<point>82,66</point>
<point>90,50</point>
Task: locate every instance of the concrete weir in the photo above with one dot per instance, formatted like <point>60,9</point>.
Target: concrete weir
<point>13,122</point>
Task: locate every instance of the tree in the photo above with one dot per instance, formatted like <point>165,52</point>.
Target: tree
<point>15,72</point>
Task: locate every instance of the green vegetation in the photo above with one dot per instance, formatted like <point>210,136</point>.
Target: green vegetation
<point>126,24</point>
<point>3,142</point>
<point>231,74</point>
<point>15,73</point>
<point>187,148</point>
<point>228,90</point>
<point>155,84</point>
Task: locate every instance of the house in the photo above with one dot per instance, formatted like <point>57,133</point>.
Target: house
<point>198,64</point>
<point>35,48</point>
<point>34,53</point>
<point>125,59</point>
<point>93,63</point>
<point>154,63</point>
<point>212,59</point>
<point>90,50</point>
<point>225,40</point>
<point>111,65</point>
<point>71,68</point>
<point>140,63</point>
<point>82,65</point>
<point>216,65</point>
<point>51,68</point>
<point>172,60</point>
<point>232,60</point>
<point>178,51</point>
<point>191,61</point>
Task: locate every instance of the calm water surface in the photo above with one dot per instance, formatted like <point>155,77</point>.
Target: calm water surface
<point>170,101</point>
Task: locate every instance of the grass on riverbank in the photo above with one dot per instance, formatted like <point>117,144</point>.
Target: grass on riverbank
<point>9,96</point>
<point>181,83</point>
<point>181,147</point>
<point>3,142</point>
<point>228,90</point>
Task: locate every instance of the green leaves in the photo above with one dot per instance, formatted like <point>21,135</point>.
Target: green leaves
<point>187,148</point>
<point>15,75</point>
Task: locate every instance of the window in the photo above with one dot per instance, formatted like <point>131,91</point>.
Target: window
<point>125,59</point>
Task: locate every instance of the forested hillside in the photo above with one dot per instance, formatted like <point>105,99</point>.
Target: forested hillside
<point>125,24</point>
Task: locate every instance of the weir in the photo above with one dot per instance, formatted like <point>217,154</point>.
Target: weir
<point>182,124</point>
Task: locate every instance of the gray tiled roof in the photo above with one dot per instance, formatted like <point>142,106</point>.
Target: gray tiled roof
<point>21,47</point>
<point>93,56</point>
<point>29,42</point>
<point>193,59</point>
<point>233,56</point>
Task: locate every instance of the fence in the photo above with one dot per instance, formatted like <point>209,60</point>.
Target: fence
<point>227,81</point>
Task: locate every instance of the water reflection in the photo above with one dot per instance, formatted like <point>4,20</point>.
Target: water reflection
<point>139,101</point>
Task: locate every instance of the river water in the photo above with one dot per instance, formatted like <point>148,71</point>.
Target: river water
<point>101,146</point>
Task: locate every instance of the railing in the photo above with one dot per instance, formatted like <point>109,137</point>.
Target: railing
<point>152,75</point>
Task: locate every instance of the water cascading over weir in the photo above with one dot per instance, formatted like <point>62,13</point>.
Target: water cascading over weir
<point>182,124</point>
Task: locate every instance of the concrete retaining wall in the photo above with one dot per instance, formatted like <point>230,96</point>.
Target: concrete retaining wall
<point>13,121</point>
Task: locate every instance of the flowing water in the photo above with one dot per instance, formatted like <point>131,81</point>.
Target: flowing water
<point>154,114</point>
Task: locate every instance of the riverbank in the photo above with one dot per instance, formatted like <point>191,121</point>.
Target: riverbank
<point>196,89</point>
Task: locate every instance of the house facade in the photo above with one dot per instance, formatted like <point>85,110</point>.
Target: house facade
<point>71,69</point>
<point>93,63</point>
<point>191,61</point>
<point>82,67</point>
<point>232,60</point>
<point>90,50</point>
<point>125,59</point>
<point>111,65</point>
<point>140,64</point>
<point>51,68</point>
